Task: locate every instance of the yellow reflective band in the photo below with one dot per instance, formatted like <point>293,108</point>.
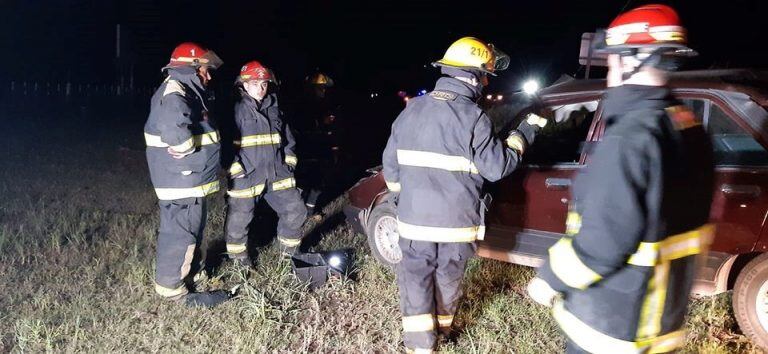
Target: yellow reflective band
<point>683,245</point>
<point>258,140</point>
<point>185,146</point>
<point>440,234</point>
<point>649,325</point>
<point>690,243</point>
<point>233,248</point>
<point>191,60</point>
<point>289,242</point>
<point>170,292</point>
<point>247,193</point>
<point>587,337</point>
<point>444,320</point>
<point>418,351</point>
<point>667,342</point>
<point>393,186</point>
<point>516,143</point>
<point>646,255</point>
<point>196,140</point>
<point>419,323</point>
<point>435,160</point>
<point>284,184</point>
<point>192,192</point>
<point>291,160</point>
<point>668,36</point>
<point>565,263</point>
<point>235,169</point>
<point>572,223</point>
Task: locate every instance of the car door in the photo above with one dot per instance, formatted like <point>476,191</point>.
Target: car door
<point>529,208</point>
<point>740,200</point>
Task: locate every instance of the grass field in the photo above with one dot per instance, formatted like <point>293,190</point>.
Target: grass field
<point>77,239</point>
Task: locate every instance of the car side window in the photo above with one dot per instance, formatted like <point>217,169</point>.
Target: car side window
<point>733,146</point>
<point>561,141</point>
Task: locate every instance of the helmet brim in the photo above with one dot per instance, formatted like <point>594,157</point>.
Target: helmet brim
<point>452,64</point>
<point>599,46</point>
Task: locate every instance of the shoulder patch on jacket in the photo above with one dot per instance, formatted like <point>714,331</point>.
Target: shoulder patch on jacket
<point>173,86</point>
<point>682,117</point>
<point>443,95</point>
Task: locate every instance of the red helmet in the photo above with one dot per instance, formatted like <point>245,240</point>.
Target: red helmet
<point>253,70</point>
<point>655,27</point>
<point>192,54</point>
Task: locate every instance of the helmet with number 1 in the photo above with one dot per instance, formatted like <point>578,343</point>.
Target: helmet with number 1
<point>193,54</point>
<point>473,54</point>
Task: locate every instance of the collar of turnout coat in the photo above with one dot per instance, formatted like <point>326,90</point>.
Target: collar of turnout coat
<point>458,87</point>
<point>268,101</point>
<point>621,100</point>
<point>188,77</point>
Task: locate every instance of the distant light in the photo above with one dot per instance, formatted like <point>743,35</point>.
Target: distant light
<point>499,97</point>
<point>406,98</point>
<point>531,87</point>
<point>402,93</point>
<point>489,97</point>
<point>423,92</point>
<point>334,261</point>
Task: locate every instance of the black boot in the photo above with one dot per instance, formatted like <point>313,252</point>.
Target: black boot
<point>206,299</point>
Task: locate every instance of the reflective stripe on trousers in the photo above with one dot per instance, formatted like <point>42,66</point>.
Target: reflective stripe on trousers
<point>429,284</point>
<point>181,229</point>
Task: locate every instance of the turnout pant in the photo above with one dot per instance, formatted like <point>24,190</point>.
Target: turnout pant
<point>429,277</point>
<point>286,203</point>
<point>181,230</point>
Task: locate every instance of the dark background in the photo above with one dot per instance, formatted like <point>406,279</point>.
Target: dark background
<point>364,45</point>
<point>59,57</point>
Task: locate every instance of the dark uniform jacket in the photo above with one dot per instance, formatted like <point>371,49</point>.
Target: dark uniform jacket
<point>639,216</point>
<point>265,148</point>
<point>440,151</point>
<point>179,120</point>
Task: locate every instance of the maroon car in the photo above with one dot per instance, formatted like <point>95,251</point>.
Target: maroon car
<point>529,207</point>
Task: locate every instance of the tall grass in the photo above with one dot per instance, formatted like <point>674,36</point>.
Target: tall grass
<point>77,240</point>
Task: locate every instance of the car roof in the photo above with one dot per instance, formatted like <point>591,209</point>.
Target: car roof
<point>748,81</point>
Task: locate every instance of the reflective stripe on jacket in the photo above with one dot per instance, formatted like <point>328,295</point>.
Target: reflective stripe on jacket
<point>439,153</point>
<point>179,121</point>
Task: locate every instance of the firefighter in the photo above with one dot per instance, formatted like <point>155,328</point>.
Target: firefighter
<point>183,157</point>
<point>440,151</point>
<point>322,127</point>
<point>263,167</point>
<point>619,281</point>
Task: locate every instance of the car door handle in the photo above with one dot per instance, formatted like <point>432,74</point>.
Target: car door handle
<point>741,190</point>
<point>557,184</point>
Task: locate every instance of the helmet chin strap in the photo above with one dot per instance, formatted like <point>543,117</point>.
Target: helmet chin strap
<point>655,59</point>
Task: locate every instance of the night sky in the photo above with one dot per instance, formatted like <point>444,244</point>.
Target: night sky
<point>364,45</point>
